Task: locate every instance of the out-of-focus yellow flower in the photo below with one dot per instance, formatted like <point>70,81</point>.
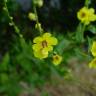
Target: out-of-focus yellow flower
<point>32,16</point>
<point>92,64</point>
<point>43,44</point>
<point>86,15</point>
<point>57,59</point>
<point>39,3</point>
<point>93,49</point>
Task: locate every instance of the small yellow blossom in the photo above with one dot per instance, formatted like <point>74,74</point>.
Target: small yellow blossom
<point>43,44</point>
<point>32,16</point>
<point>86,15</point>
<point>93,49</point>
<point>57,59</point>
<point>92,64</point>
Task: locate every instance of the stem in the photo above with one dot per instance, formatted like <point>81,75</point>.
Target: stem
<point>11,20</point>
<point>80,33</point>
<point>37,20</point>
<point>87,3</point>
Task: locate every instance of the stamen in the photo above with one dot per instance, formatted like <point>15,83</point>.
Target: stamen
<point>44,44</point>
<point>83,14</point>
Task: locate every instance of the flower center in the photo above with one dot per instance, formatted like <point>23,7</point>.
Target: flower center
<point>44,44</point>
<point>83,15</point>
<point>56,58</point>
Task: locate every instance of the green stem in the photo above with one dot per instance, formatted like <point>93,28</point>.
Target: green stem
<point>37,20</point>
<point>11,20</point>
<point>80,33</point>
<point>87,3</point>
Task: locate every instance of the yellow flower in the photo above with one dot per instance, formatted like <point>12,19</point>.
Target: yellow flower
<point>92,64</point>
<point>93,49</point>
<point>32,16</point>
<point>43,44</point>
<point>86,15</point>
<point>57,59</point>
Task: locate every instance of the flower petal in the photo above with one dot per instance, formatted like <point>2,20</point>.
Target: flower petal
<point>41,54</point>
<point>91,10</point>
<point>37,39</point>
<point>52,41</point>
<point>92,17</point>
<point>49,48</point>
<point>93,49</point>
<point>46,35</point>
<point>36,47</point>
<point>92,64</point>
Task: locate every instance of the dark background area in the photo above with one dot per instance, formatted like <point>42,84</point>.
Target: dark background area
<point>55,15</point>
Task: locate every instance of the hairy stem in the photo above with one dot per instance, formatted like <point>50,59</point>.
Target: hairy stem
<point>11,19</point>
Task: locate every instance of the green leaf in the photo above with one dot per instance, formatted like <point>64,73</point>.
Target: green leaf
<point>4,78</point>
<point>80,33</point>
<point>63,44</point>
<point>5,62</point>
<point>92,29</point>
<point>89,43</point>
